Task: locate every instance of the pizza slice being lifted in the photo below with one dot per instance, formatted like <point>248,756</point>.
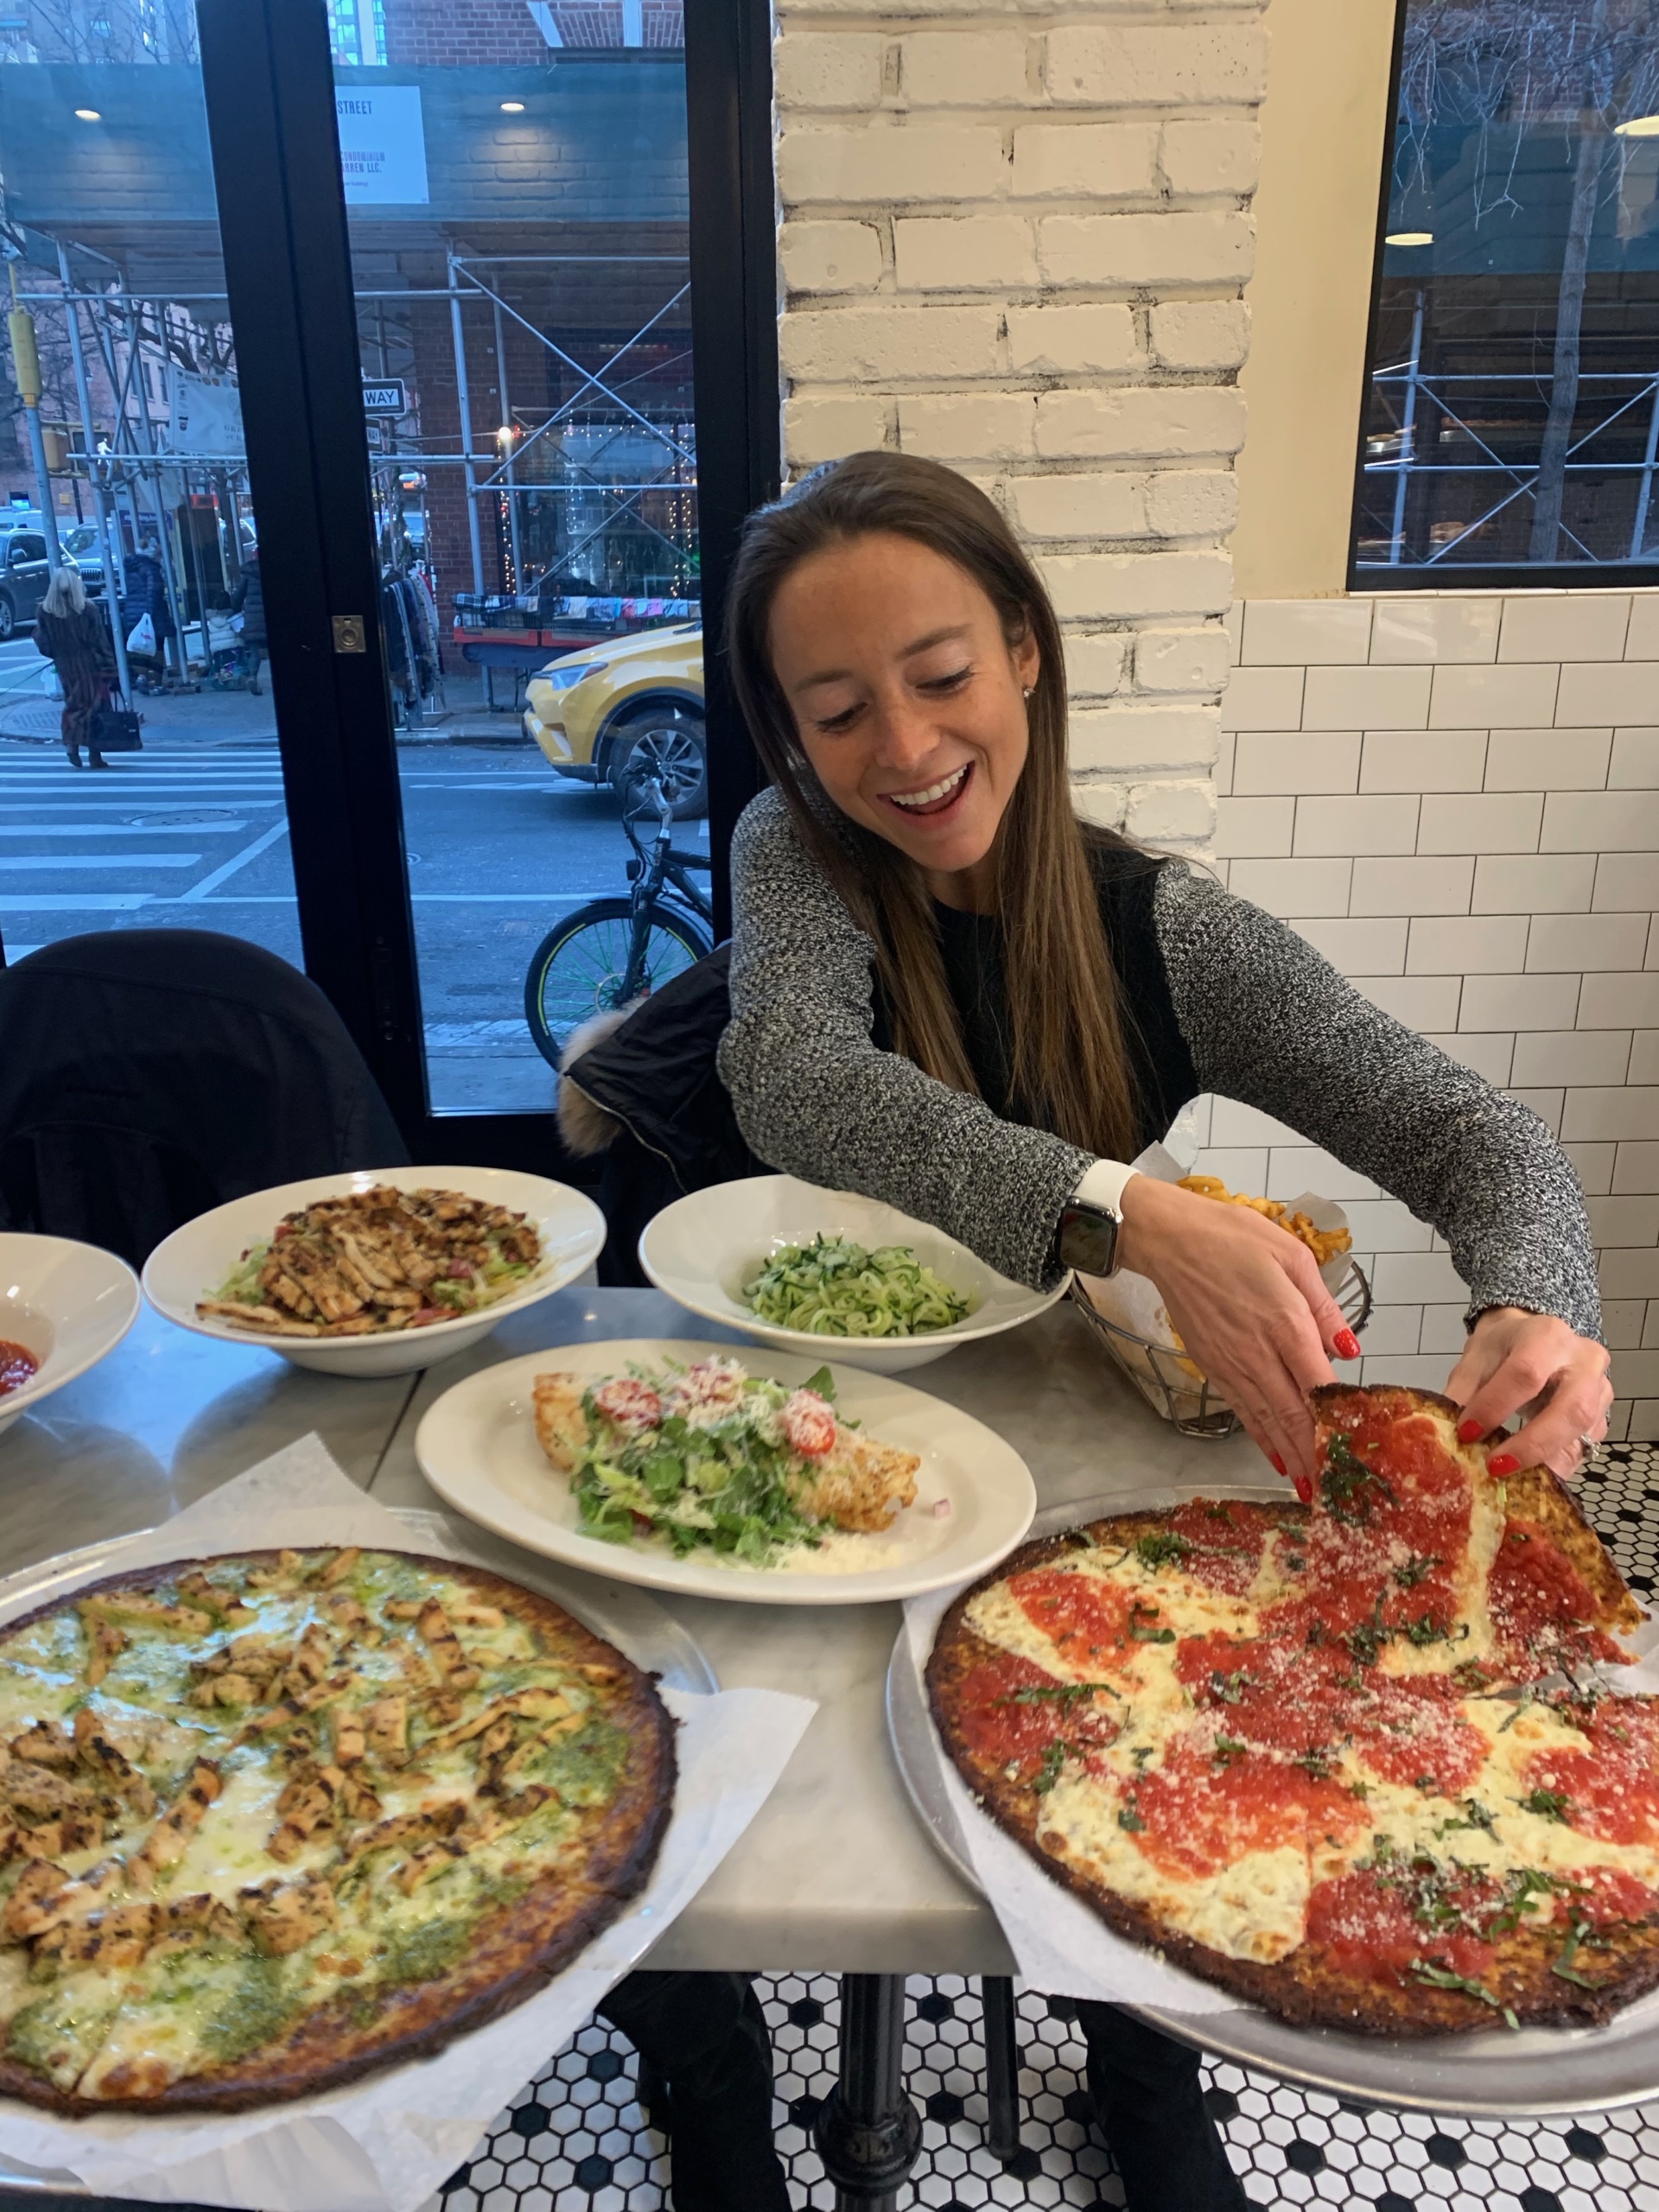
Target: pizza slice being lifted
<point>1410,1530</point>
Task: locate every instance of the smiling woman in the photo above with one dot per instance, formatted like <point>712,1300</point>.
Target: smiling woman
<point>1047,995</point>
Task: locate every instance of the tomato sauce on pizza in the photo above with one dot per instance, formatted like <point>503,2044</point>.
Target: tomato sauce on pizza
<point>1341,1757</point>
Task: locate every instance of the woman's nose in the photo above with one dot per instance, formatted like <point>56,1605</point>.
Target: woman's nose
<point>904,736</point>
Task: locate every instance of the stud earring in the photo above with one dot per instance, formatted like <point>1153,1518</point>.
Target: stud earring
<point>1027,693</point>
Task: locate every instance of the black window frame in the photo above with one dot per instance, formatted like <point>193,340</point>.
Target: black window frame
<point>1510,576</point>
<point>268,84</point>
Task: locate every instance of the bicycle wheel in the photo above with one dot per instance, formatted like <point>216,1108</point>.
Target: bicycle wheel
<point>579,967</point>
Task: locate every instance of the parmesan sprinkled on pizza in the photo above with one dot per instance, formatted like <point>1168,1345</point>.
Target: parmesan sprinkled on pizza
<point>1350,1760</point>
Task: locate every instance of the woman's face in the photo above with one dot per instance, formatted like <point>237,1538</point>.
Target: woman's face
<point>907,700</point>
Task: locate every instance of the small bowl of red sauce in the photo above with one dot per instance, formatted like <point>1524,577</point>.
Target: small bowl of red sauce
<point>63,1307</point>
<point>18,1365</point>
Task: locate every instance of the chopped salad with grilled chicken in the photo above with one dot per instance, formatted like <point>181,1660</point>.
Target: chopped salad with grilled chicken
<point>378,1260</point>
<point>709,1457</point>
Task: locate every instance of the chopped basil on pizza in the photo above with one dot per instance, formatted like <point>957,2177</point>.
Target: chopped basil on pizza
<point>1348,1760</point>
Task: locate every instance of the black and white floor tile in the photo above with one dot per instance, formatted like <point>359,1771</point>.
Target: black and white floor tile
<point>575,2140</point>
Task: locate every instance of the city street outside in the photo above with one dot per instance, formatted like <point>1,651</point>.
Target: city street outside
<point>191,833</point>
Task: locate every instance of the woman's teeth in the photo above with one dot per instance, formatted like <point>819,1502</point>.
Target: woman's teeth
<point>933,794</point>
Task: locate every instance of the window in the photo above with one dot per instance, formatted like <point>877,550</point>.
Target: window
<point>142,468</point>
<point>540,201</point>
<point>516,186</point>
<point>1511,425</point>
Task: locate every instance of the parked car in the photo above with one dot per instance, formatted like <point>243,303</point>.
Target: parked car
<point>630,706</point>
<point>26,574</point>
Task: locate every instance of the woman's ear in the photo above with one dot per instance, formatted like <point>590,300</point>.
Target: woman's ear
<point>1027,661</point>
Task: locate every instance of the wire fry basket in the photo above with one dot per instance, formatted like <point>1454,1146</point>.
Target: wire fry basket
<point>1173,1384</point>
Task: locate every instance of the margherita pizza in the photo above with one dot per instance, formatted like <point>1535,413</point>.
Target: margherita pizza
<point>268,1822</point>
<point>1346,1760</point>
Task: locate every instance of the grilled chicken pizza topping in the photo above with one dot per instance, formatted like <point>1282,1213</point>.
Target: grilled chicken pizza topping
<point>1323,1755</point>
<point>223,1860</point>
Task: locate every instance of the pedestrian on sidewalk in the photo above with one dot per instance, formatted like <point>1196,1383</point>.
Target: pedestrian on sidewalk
<point>74,636</point>
<point>250,603</point>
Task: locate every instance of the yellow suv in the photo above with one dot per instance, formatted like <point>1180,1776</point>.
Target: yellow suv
<point>629,707</point>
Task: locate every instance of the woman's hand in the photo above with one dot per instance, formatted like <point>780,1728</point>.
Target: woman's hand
<point>1518,1362</point>
<point>1247,1299</point>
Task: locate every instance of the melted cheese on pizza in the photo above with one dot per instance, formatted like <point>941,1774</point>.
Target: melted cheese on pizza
<point>230,1796</point>
<point>1274,1727</point>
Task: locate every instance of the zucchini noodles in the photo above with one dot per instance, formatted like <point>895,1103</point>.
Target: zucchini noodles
<point>832,1288</point>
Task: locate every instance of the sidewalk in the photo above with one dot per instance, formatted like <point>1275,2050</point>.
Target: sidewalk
<point>176,721</point>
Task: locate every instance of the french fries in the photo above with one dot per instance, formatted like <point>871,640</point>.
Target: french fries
<point>1323,1243</point>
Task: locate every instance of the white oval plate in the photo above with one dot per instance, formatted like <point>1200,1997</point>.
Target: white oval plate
<point>69,1304</point>
<point>703,1248</point>
<point>194,1261</point>
<point>477,1447</point>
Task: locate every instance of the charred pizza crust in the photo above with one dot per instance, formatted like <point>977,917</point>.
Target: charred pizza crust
<point>1313,1986</point>
<point>511,1951</point>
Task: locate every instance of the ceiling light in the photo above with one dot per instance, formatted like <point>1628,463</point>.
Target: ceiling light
<point>513,107</point>
<point>1410,237</point>
<point>89,114</point>
<point>1639,126</point>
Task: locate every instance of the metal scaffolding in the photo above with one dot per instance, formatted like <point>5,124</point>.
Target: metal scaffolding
<point>120,334</point>
<point>1425,406</point>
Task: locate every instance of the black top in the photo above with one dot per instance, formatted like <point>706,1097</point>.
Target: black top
<point>971,945</point>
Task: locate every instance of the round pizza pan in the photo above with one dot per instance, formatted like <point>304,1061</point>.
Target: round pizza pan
<point>1497,2075</point>
<point>631,1619</point>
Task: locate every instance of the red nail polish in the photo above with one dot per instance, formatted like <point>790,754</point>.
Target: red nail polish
<point>1505,1463</point>
<point>1347,1344</point>
<point>1275,1463</point>
<point>1304,1490</point>
<point>1470,1432</point>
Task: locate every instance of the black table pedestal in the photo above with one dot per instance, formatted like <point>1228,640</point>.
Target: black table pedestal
<point>867,2130</point>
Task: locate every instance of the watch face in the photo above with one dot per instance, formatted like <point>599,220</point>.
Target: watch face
<point>1087,1240</point>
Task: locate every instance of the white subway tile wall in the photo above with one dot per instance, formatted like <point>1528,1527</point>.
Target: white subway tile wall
<point>1455,798</point>
<point>1019,246</point>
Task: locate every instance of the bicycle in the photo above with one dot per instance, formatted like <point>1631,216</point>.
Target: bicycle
<point>612,951</point>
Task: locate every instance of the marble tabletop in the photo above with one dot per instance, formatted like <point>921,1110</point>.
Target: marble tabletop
<point>837,1874</point>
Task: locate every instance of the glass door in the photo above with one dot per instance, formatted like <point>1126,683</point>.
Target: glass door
<point>124,475</point>
<point>516,193</point>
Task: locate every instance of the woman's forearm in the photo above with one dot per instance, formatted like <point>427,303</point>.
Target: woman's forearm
<point>1271,1023</point>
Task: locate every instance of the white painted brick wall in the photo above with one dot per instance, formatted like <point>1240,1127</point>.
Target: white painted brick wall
<point>1455,797</point>
<point>1014,238</point>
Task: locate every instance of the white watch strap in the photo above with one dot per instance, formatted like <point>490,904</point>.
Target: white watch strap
<point>1103,1186</point>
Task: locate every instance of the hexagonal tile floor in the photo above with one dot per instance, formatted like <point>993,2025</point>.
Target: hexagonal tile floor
<point>575,2140</point>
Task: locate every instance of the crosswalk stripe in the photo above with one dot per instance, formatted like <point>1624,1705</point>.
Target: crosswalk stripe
<point>113,829</point>
<point>56,860</point>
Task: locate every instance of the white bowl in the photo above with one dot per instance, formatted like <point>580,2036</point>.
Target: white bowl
<point>703,1249</point>
<point>194,1261</point>
<point>68,1303</point>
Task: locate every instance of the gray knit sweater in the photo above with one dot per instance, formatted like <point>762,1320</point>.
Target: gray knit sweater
<point>1266,1019</point>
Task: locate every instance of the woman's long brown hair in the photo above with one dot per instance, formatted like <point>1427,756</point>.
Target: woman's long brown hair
<point>1071,1072</point>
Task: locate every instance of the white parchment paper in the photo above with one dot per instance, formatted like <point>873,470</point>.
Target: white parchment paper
<point>1063,1949</point>
<point>385,2143</point>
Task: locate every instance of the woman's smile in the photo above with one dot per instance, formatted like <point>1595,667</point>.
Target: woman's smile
<point>934,799</point>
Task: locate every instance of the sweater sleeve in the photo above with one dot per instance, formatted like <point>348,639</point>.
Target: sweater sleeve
<point>1271,1022</point>
<point>816,1098</point>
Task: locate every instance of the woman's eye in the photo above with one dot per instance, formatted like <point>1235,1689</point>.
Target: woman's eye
<point>832,725</point>
<point>939,686</point>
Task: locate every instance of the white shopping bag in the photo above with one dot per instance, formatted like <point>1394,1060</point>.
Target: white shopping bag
<point>141,638</point>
